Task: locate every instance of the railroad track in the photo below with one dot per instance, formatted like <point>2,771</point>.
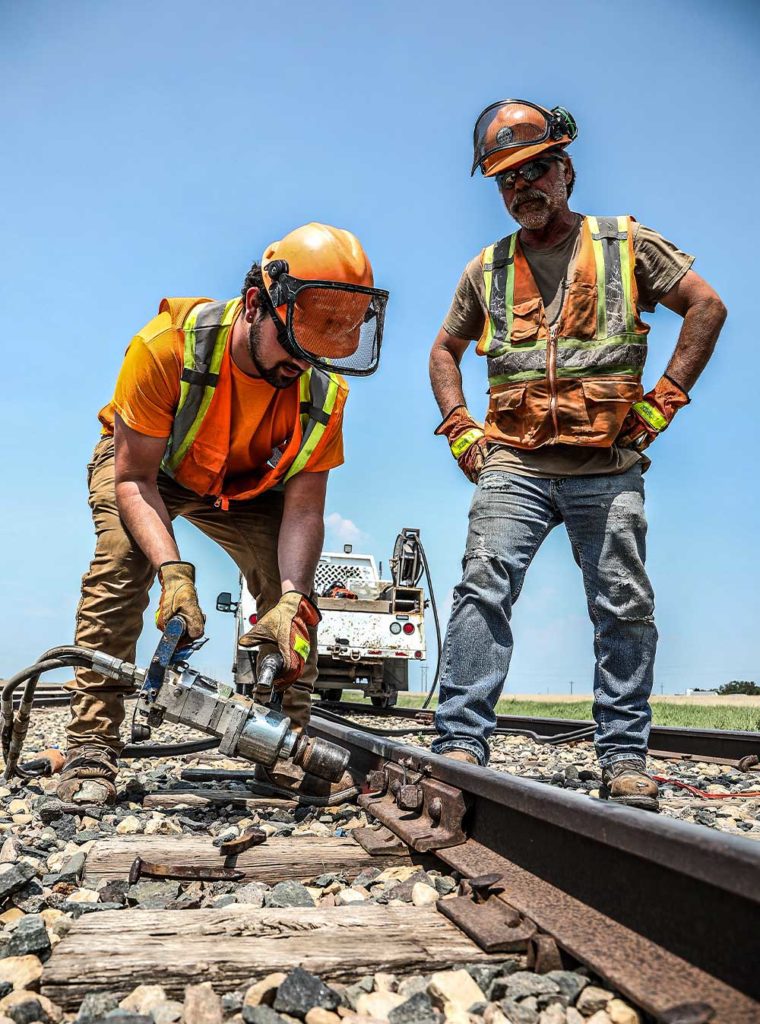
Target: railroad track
<point>723,746</point>
<point>664,913</point>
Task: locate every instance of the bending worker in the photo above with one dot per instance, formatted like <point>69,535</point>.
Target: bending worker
<point>230,415</point>
<point>556,311</point>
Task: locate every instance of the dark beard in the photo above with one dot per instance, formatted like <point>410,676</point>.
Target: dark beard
<point>271,374</point>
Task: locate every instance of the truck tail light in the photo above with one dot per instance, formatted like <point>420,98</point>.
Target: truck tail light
<point>253,619</point>
<point>408,628</point>
<point>418,654</point>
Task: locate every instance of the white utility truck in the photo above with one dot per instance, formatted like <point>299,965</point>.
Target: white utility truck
<point>371,627</point>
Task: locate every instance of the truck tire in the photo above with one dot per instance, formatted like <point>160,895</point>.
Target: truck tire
<point>330,694</point>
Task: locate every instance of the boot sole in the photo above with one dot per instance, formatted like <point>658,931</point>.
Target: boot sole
<point>644,803</point>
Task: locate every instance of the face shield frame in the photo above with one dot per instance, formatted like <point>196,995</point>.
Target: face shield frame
<point>284,291</point>
<point>559,124</point>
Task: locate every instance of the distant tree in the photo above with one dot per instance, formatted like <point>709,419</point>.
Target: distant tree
<point>740,686</point>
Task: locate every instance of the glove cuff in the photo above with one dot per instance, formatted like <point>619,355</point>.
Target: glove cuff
<point>305,604</point>
<point>176,570</point>
<point>460,430</point>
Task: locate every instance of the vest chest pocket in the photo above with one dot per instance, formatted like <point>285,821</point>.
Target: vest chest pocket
<point>202,466</point>
<point>507,413</point>
<point>526,321</point>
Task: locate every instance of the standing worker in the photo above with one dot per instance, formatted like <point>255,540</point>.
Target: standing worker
<point>556,308</point>
<point>229,414</point>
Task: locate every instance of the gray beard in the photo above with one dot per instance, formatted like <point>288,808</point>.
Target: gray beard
<point>539,216</point>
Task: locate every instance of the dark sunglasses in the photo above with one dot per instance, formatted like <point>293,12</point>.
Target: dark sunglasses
<point>531,171</point>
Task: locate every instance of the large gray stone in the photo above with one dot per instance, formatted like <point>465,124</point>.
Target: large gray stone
<point>261,1015</point>
<point>522,984</point>
<point>288,894</point>
<point>15,879</point>
<point>416,1010</point>
<point>301,991</point>
<point>96,1005</point>
<point>570,984</point>
<point>72,869</point>
<point>29,936</point>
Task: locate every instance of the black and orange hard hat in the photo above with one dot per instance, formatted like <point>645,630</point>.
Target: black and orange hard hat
<point>320,285</point>
<point>512,131</point>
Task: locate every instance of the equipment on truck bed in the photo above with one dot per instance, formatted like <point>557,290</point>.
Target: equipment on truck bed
<point>371,627</point>
<point>169,690</point>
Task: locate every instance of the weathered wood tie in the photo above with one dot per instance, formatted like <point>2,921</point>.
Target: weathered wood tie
<point>278,859</point>
<point>115,950</point>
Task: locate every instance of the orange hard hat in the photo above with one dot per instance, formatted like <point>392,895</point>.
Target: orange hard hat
<point>326,321</point>
<point>512,131</point>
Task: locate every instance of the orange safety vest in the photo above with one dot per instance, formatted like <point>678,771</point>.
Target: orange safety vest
<point>572,383</point>
<point>198,447</point>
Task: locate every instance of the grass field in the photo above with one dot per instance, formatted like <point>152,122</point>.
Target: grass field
<point>699,717</point>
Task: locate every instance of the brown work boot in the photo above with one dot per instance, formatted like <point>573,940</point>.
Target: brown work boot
<point>626,782</point>
<point>88,776</point>
<point>290,782</point>
<point>461,755</point>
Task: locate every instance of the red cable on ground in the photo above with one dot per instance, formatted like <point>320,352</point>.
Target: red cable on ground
<point>700,792</point>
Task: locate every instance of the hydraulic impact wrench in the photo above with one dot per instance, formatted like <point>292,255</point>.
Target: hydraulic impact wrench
<point>169,690</point>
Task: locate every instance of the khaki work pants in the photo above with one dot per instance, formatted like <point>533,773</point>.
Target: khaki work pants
<point>115,591</point>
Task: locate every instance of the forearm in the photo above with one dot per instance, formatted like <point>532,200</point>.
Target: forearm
<point>144,514</point>
<point>302,534</point>
<point>446,380</point>
<point>699,333</point>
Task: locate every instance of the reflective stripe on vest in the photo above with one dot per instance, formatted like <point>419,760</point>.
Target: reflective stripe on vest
<point>617,348</point>
<point>499,280</point>
<point>318,393</point>
<point>207,329</point>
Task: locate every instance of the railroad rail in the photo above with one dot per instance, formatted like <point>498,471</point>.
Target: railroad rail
<point>718,745</point>
<point>664,910</point>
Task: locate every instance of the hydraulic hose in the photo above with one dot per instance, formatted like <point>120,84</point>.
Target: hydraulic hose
<point>501,730</point>
<point>138,750</point>
<point>436,620</point>
<point>15,727</point>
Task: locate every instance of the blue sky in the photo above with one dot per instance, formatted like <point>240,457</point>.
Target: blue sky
<point>155,149</point>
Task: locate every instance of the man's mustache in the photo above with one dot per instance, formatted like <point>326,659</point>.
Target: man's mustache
<point>530,195</point>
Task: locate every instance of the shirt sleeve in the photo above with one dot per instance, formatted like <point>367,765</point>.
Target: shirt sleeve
<point>467,314</point>
<point>659,266</point>
<point>148,385</point>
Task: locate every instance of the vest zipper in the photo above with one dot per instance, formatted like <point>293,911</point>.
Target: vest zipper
<point>222,503</point>
<point>551,371</point>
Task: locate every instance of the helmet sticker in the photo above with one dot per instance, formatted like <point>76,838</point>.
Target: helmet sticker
<point>504,135</point>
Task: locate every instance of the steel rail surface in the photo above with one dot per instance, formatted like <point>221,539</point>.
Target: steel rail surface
<point>692,892</point>
<point>721,744</point>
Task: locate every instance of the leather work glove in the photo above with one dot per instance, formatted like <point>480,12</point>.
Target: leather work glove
<point>466,441</point>
<point>286,626</point>
<point>648,417</point>
<point>178,597</point>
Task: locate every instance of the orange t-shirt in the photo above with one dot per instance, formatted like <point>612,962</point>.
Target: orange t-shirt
<point>147,393</point>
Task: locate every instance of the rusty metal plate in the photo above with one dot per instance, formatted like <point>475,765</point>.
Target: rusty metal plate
<point>380,842</point>
<point>494,925</point>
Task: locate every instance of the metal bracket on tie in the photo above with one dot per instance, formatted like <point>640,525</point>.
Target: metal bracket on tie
<point>425,814</point>
<point>484,915</point>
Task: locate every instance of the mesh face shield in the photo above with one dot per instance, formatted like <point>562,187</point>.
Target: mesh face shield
<point>517,124</point>
<point>336,327</point>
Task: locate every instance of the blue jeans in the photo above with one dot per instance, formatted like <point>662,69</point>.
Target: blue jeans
<point>509,518</point>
